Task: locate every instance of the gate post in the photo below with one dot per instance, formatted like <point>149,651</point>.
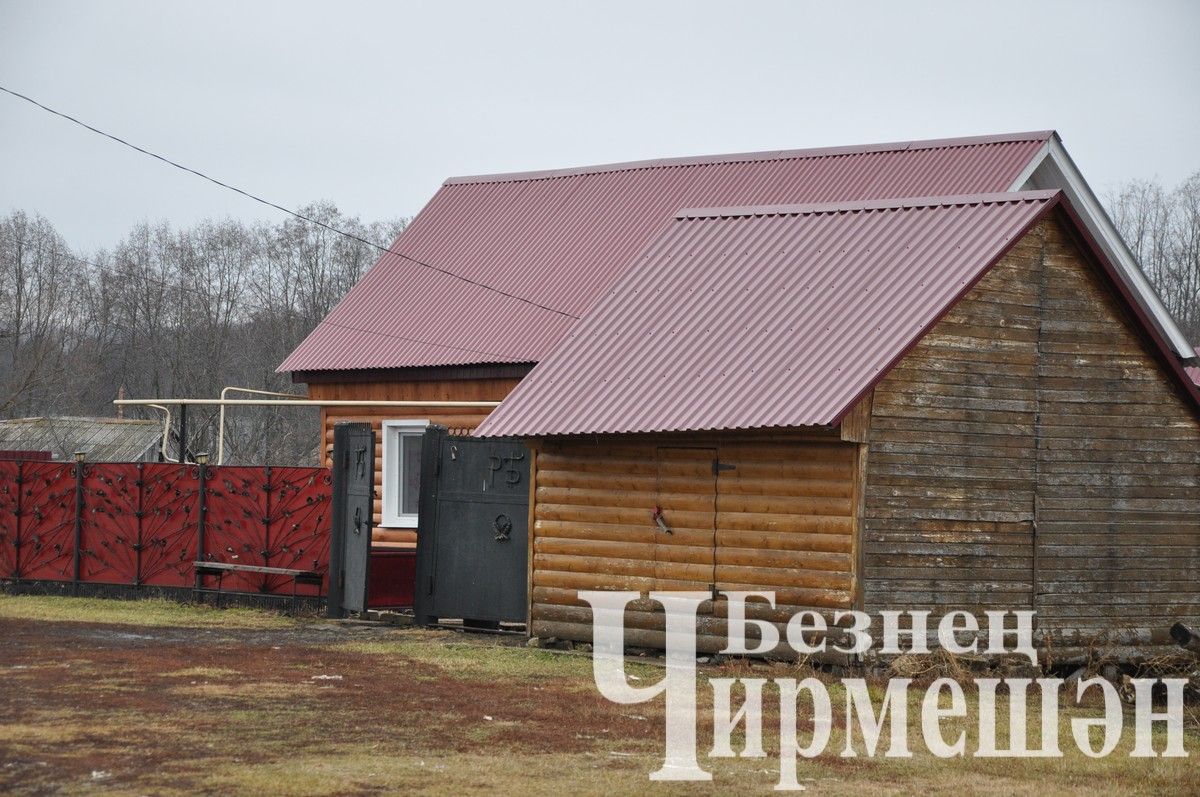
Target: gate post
<point>350,532</point>
<point>427,522</point>
<point>337,530</point>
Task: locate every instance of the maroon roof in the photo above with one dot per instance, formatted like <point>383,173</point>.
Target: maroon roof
<point>561,238</point>
<point>741,318</point>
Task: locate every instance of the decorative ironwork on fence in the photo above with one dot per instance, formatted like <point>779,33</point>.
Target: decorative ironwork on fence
<point>145,523</point>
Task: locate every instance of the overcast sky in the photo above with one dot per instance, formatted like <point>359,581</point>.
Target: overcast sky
<point>373,104</point>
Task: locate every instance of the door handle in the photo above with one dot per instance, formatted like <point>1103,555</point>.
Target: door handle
<point>657,516</point>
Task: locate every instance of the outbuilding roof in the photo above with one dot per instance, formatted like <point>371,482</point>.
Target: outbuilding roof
<point>101,439</point>
<point>561,238</point>
<point>743,318</point>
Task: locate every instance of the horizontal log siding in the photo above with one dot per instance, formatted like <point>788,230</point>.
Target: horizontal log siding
<point>457,420</point>
<point>783,520</point>
<point>1118,487</point>
<point>948,516</point>
<point>1035,399</point>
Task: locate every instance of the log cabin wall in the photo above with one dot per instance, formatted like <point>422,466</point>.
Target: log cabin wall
<point>1031,452</point>
<point>458,420</point>
<point>1118,467</point>
<point>775,514</point>
<point>948,517</point>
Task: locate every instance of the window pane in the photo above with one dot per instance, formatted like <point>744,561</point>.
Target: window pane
<point>410,467</point>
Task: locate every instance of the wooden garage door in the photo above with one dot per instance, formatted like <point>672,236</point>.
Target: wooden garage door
<point>785,522</point>
<point>686,538</point>
<point>772,516</point>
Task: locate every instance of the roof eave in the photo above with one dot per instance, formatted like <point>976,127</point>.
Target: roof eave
<point>1091,248</point>
<point>1161,344</point>
<point>1093,218</point>
<point>1055,199</point>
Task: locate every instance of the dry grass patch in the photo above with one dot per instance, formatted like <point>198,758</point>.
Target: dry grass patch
<point>210,673</point>
<point>151,612</point>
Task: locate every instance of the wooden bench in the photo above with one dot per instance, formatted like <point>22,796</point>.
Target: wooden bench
<point>219,569</point>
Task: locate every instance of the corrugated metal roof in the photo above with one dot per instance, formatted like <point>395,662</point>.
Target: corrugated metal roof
<point>740,318</point>
<point>561,238</point>
<point>103,439</point>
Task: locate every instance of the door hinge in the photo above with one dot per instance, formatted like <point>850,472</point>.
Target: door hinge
<point>719,466</point>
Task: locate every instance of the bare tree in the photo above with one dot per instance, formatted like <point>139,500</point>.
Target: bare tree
<point>1163,229</point>
<point>169,313</point>
<point>39,285</point>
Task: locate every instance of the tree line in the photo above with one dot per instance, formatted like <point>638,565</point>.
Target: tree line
<point>175,313</point>
<point>184,312</point>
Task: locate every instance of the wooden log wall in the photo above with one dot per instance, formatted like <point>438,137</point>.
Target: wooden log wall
<point>1030,452</point>
<point>781,518</point>
<point>948,520</point>
<point>457,420</point>
<point>1118,470</point>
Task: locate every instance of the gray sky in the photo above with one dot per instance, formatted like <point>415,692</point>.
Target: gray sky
<point>373,104</point>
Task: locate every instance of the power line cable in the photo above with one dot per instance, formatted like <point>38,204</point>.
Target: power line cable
<point>279,207</point>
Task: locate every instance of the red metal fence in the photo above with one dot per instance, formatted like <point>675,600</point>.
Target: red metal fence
<point>145,523</point>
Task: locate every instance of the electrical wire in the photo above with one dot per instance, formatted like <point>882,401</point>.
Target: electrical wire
<point>290,212</point>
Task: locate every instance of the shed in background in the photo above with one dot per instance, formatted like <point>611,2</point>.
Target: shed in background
<point>101,439</point>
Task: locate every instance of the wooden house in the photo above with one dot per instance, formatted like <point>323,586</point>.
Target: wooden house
<point>918,375</point>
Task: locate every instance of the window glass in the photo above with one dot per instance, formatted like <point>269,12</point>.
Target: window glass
<point>410,469</point>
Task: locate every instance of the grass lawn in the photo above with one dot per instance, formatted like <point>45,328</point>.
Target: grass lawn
<point>152,697</point>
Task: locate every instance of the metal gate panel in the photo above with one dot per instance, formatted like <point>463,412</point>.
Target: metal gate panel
<point>10,504</point>
<point>235,523</point>
<point>110,534</point>
<point>299,522</point>
<point>472,542</point>
<point>353,504</point>
<point>47,525</point>
<point>170,506</point>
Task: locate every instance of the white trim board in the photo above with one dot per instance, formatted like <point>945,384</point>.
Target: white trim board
<point>1052,168</point>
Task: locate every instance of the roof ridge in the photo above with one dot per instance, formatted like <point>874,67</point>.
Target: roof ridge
<point>813,208</point>
<point>744,157</point>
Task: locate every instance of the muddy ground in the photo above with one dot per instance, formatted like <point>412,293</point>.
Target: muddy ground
<point>168,707</point>
<point>191,701</point>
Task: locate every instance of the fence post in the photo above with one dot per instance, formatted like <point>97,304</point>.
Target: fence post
<point>139,517</point>
<point>80,456</point>
<point>268,486</point>
<point>20,521</point>
<point>202,513</point>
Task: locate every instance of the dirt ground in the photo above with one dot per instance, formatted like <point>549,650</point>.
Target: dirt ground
<point>153,698</point>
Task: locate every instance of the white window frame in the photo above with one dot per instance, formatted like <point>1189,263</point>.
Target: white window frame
<point>393,471</point>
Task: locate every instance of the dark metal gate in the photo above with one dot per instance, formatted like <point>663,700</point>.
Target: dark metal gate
<point>353,503</point>
<point>472,555</point>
